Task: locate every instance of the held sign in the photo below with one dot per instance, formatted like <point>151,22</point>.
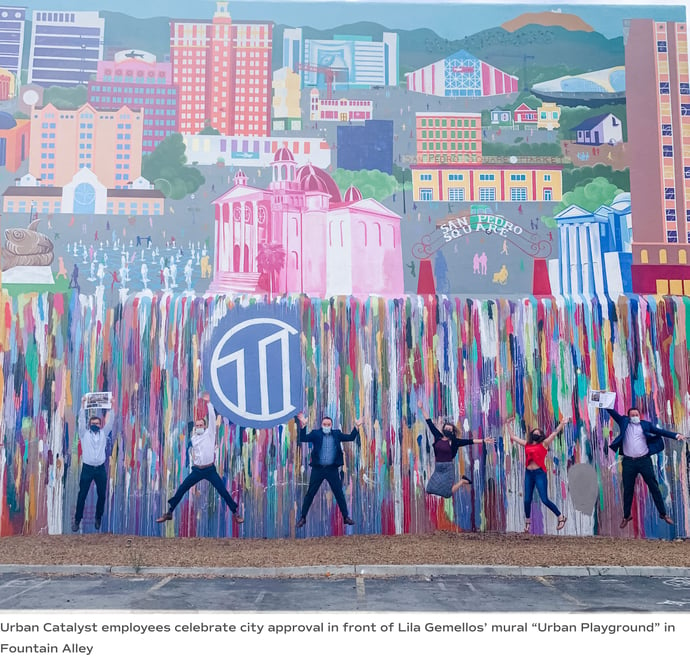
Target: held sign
<point>255,366</point>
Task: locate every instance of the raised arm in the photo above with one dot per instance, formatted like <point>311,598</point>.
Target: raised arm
<point>614,415</point>
<point>108,422</point>
<point>211,428</point>
<point>514,438</point>
<point>667,434</point>
<point>81,421</point>
<point>550,438</point>
<point>303,435</point>
<point>353,434</point>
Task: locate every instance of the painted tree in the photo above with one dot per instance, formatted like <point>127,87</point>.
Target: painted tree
<point>270,261</point>
<point>167,165</point>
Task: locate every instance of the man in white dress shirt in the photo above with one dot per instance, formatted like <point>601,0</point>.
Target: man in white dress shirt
<point>93,443</point>
<point>203,464</point>
<point>637,441</point>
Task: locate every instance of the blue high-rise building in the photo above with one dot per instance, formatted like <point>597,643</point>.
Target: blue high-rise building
<point>65,47</point>
<point>368,146</point>
<point>12,38</point>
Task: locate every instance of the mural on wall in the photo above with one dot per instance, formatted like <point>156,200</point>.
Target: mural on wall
<point>324,208</point>
<point>129,151</point>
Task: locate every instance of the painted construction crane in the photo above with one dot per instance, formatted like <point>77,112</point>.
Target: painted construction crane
<point>328,74</point>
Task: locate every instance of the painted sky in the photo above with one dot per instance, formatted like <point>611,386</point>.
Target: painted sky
<point>457,20</point>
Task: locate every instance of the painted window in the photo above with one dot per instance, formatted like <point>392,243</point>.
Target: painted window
<point>425,177</point>
<point>685,88</point>
<point>456,194</point>
<point>666,130</point>
<point>682,257</point>
<point>518,194</point>
<point>669,193</point>
<point>670,214</point>
<point>487,194</point>
<point>644,257</point>
<point>667,151</point>
<point>661,46</point>
<point>548,194</point>
<point>426,194</point>
<point>663,257</point>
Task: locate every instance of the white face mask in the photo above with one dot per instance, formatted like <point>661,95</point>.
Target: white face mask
<point>326,429</point>
<point>635,420</point>
<point>199,430</point>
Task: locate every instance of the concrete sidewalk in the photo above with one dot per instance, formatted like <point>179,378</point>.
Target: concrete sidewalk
<point>369,571</point>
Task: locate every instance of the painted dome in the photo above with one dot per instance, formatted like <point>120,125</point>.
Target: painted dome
<point>312,179</point>
<point>283,155</point>
<point>353,194</point>
<point>7,122</point>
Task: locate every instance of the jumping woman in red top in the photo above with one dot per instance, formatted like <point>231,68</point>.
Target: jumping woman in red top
<point>536,446</point>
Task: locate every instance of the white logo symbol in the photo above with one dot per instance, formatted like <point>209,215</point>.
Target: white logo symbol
<point>237,358</point>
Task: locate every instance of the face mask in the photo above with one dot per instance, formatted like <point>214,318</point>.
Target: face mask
<point>448,432</point>
<point>199,430</point>
<point>326,429</point>
<point>95,428</point>
<point>635,420</point>
<point>537,437</point>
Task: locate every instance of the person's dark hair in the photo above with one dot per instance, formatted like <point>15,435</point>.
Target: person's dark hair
<point>532,438</point>
<point>327,417</point>
<point>636,410</point>
<point>96,418</point>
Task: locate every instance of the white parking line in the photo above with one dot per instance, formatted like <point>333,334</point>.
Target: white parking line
<point>260,597</point>
<point>26,590</point>
<point>159,584</point>
<point>360,588</point>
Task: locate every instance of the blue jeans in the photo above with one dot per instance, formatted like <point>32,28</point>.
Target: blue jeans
<point>537,478</point>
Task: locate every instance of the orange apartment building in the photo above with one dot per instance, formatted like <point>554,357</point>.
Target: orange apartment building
<point>658,112</point>
<point>449,138</point>
<point>108,143</point>
<point>223,71</point>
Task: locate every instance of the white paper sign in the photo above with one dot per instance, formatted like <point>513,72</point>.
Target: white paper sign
<point>102,400</point>
<point>602,399</point>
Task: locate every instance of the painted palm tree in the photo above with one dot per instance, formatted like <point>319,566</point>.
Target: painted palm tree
<point>270,261</point>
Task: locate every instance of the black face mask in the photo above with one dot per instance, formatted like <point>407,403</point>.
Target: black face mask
<point>95,428</point>
<point>540,437</point>
<point>448,432</point>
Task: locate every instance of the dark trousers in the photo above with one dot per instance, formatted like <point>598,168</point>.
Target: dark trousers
<point>537,478</point>
<point>631,469</point>
<point>91,474</point>
<point>194,477</point>
<point>332,475</point>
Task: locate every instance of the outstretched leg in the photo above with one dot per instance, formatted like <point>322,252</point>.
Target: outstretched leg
<point>333,479</point>
<point>647,471</point>
<point>540,482</point>
<point>188,482</point>
<point>214,478</point>
<point>315,480</point>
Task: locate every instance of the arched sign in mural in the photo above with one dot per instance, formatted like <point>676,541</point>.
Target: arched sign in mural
<point>255,366</point>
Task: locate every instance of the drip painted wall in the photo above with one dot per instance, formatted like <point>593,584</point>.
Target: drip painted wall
<point>488,365</point>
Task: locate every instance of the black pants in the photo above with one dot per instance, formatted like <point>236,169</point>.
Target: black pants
<point>194,477</point>
<point>631,469</point>
<point>332,475</point>
<point>91,474</point>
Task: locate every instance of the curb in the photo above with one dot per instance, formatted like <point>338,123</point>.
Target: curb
<point>371,571</point>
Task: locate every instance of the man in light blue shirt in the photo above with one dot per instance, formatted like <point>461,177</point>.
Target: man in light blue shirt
<point>93,443</point>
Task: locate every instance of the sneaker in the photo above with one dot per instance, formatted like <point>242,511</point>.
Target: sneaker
<point>97,524</point>
<point>75,526</point>
<point>301,523</point>
<point>166,517</point>
<point>348,522</point>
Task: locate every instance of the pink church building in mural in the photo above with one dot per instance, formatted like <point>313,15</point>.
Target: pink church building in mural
<point>333,245</point>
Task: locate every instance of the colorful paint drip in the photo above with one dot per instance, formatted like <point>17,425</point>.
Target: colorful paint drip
<point>488,365</point>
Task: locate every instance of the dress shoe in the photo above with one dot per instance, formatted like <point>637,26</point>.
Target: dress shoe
<point>348,522</point>
<point>75,526</point>
<point>667,519</point>
<point>301,523</point>
<point>625,522</point>
<point>97,524</point>
<point>166,517</point>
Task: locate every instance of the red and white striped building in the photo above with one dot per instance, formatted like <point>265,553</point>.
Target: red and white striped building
<point>461,75</point>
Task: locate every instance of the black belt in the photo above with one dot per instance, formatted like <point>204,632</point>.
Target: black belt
<point>636,458</point>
